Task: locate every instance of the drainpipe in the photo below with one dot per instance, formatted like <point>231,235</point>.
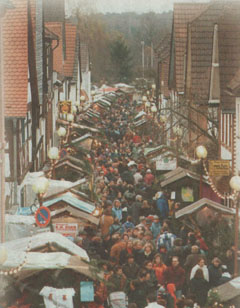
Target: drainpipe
<point>15,161</point>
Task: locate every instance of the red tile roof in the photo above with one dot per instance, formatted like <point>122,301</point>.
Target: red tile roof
<point>71,39</point>
<point>183,13</point>
<point>56,28</point>
<point>15,60</point>
<point>64,67</point>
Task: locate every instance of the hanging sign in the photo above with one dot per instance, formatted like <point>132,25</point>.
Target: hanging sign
<point>166,164</point>
<point>42,216</point>
<point>66,229</point>
<point>219,167</point>
<point>65,106</point>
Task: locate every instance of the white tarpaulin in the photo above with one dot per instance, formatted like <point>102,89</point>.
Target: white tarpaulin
<point>42,239</point>
<point>37,260</point>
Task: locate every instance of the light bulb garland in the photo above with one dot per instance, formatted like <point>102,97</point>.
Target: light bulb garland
<point>14,271</point>
<point>232,196</point>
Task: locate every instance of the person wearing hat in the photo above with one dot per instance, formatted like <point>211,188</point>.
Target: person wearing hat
<point>149,177</point>
<point>155,227</point>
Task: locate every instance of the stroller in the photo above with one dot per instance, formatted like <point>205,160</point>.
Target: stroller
<point>117,300</point>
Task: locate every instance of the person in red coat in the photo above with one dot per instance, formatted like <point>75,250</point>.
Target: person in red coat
<point>175,274</point>
<point>149,177</point>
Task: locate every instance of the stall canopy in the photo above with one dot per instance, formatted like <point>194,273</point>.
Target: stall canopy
<point>202,203</point>
<point>42,241</point>
<point>229,290</point>
<point>178,174</point>
<point>71,200</point>
<point>37,261</point>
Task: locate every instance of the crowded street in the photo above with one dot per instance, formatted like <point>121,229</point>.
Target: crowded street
<point>119,154</point>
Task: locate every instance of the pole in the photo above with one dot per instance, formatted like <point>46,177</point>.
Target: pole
<point>142,42</point>
<point>2,144</point>
<point>236,239</point>
<point>201,180</point>
<point>157,86</point>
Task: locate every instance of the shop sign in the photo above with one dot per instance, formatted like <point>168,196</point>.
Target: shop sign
<point>66,229</point>
<point>219,167</point>
<point>65,107</point>
<point>166,164</point>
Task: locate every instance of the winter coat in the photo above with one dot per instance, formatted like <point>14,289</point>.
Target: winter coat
<point>175,275</point>
<point>162,208</point>
<point>116,249</point>
<point>149,179</point>
<point>159,271</point>
<point>135,209</point>
<point>199,289</point>
<point>117,283</point>
<point>166,239</point>
<point>204,269</point>
<point>215,274</point>
<point>130,270</point>
<point>117,212</point>
<point>105,222</point>
<point>155,229</point>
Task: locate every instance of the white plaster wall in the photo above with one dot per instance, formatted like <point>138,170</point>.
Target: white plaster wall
<point>225,154</point>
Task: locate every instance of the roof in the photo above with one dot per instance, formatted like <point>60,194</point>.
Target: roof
<point>63,66</point>
<point>57,29</point>
<point>69,199</point>
<point>15,59</point>
<point>82,138</point>
<point>229,290</point>
<point>229,46</point>
<point>178,174</point>
<point>41,240</point>
<point>73,212</point>
<point>198,205</point>
<point>75,125</point>
<point>183,13</point>
<point>202,29</point>
<point>71,39</point>
<point>53,260</point>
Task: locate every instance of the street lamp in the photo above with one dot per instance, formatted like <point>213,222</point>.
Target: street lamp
<point>61,133</point>
<point>53,154</point>
<point>40,186</point>
<point>201,153</point>
<point>147,106</point>
<point>82,99</point>
<point>235,185</point>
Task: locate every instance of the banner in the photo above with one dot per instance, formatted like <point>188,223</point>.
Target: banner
<point>66,229</point>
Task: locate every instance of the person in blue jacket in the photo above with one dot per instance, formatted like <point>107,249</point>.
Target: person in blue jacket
<point>161,205</point>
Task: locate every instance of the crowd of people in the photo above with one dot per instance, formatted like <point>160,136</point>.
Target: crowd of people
<point>139,251</point>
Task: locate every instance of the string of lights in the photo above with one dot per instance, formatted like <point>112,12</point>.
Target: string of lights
<point>14,271</point>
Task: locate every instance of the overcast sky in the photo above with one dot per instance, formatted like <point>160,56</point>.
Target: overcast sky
<point>138,6</point>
